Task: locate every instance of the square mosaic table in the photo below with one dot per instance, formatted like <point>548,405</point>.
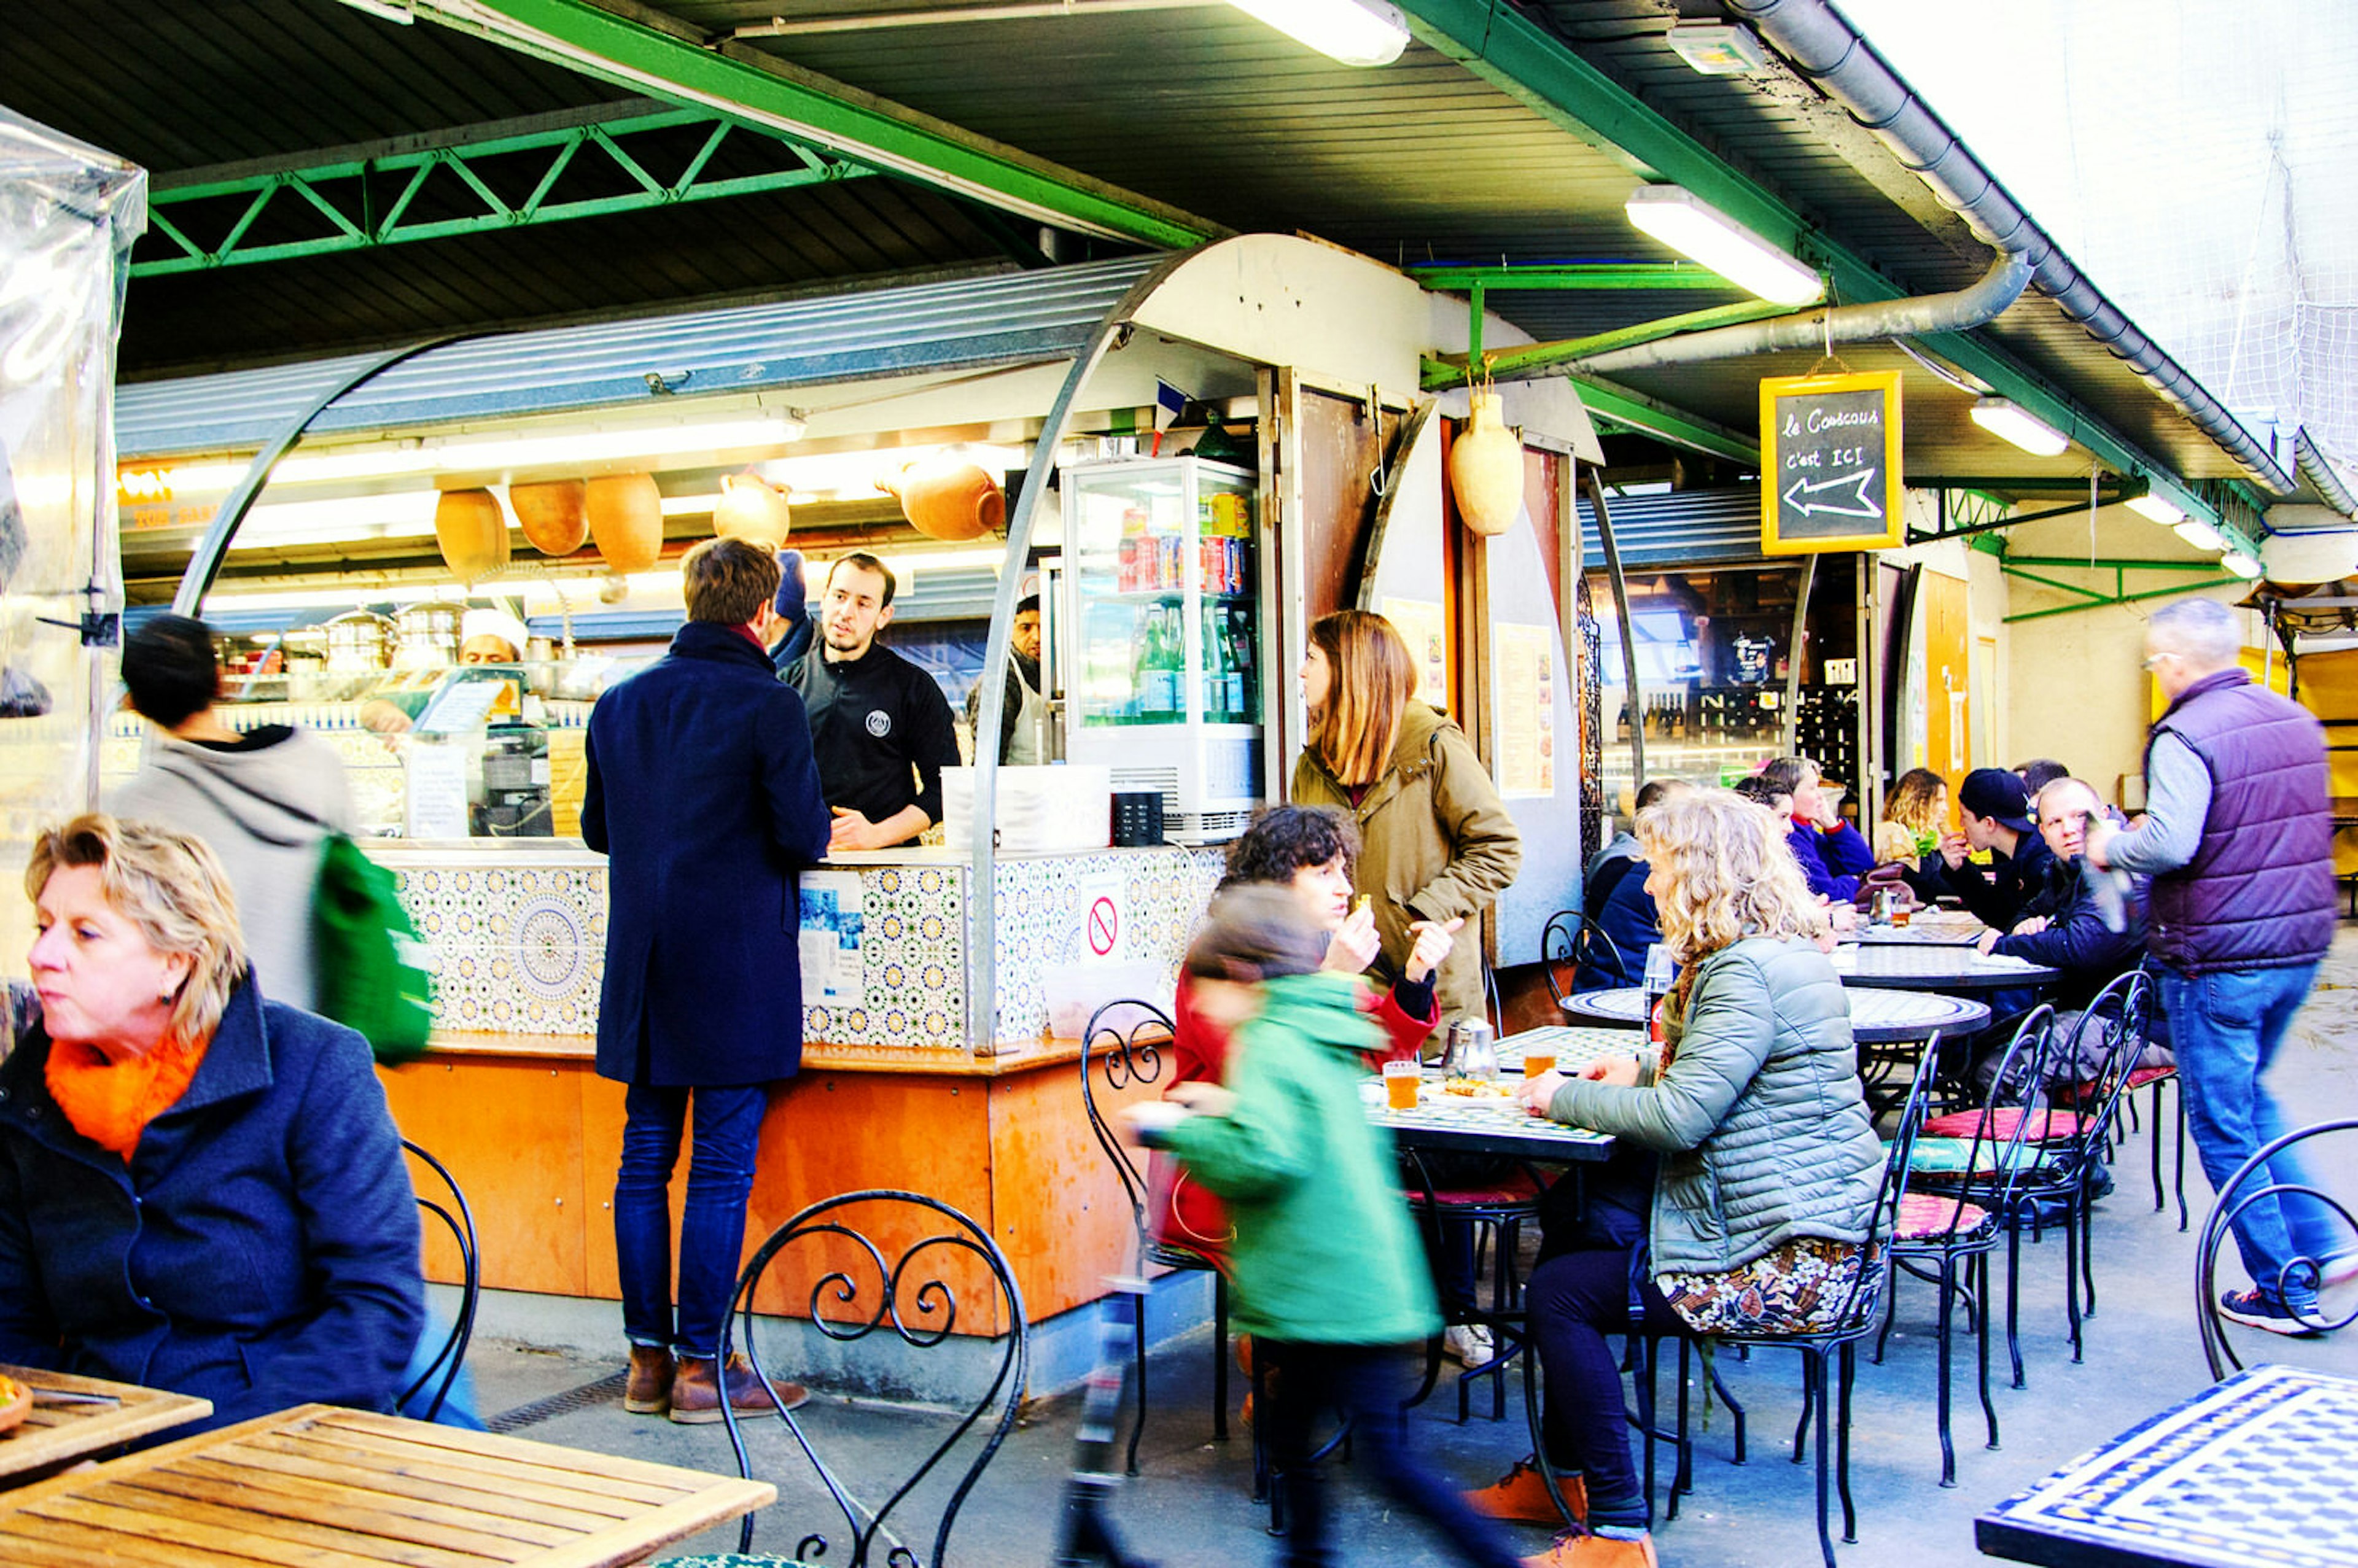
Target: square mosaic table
<point>1493,1124</point>
<point>2254,1470</point>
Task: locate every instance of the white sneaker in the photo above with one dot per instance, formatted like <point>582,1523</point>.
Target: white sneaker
<point>1468,1345</point>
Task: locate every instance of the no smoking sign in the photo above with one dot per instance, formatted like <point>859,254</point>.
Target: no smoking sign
<point>1103,907</point>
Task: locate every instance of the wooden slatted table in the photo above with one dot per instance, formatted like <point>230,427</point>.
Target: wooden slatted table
<point>320,1487</point>
<point>59,1434</point>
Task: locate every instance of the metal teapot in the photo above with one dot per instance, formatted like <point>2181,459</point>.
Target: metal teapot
<point>1472,1051</point>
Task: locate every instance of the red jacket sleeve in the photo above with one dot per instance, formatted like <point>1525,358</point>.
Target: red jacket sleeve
<point>1404,1033</point>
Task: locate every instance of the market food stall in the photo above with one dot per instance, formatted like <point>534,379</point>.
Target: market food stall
<point>554,477</point>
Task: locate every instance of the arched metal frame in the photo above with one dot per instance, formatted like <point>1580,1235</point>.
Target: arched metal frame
<point>2240,1193</point>
<point>921,1313</point>
<point>443,1371</point>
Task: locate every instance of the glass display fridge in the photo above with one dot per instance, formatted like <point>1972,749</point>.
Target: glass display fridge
<point>1162,599</point>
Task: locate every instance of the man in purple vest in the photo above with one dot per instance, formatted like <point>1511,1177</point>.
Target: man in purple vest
<point>2238,844</point>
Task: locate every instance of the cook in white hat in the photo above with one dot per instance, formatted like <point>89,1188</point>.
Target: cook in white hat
<point>491,637</point>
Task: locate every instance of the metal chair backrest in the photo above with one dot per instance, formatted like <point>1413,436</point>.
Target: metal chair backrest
<point>882,1259</point>
<point>2022,1071</point>
<point>2255,1181</point>
<point>1571,942</point>
<point>2117,1017</point>
<point>1868,1288</point>
<point>450,1207</point>
<point>1125,1045</point>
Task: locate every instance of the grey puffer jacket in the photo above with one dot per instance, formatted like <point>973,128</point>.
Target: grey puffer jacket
<point>1760,1117</point>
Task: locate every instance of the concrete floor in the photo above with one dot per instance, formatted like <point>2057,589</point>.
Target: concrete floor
<point>1189,1505</point>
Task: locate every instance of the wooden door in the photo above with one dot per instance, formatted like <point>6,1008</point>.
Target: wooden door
<point>1948,677</point>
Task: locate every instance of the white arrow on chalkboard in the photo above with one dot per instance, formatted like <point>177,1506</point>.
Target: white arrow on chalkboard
<point>1798,498</point>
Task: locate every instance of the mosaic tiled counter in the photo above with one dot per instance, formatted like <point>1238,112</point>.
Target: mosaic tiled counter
<point>891,1094</point>
<point>518,936</point>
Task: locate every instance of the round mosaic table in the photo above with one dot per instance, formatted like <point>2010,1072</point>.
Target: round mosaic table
<point>1877,1017</point>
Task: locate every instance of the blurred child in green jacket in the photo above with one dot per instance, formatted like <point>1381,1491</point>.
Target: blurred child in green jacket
<point>1329,1280</point>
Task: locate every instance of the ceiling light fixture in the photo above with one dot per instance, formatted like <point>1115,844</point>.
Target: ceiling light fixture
<point>2005,418</point>
<point>2198,534</point>
<point>1718,48</point>
<point>2157,507</point>
<point>2241,562</point>
<point>1695,229</point>
<point>1356,32</point>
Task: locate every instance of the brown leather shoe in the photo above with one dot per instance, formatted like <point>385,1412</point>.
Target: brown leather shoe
<point>1521,1497</point>
<point>696,1393</point>
<point>649,1389</point>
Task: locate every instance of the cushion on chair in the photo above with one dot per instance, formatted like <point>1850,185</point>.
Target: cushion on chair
<point>2081,1093</point>
<point>2046,1126</point>
<point>1923,1215</point>
<point>1947,1156</point>
<point>1515,1191</point>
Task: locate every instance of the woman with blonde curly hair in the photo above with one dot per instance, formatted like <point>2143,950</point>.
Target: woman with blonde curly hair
<point>1915,815</point>
<point>1769,1163</point>
<point>200,1190</point>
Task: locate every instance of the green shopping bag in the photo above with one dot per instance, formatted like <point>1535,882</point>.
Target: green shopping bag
<point>368,960</point>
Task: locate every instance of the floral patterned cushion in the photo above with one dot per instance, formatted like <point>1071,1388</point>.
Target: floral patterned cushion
<point>2046,1126</point>
<point>1924,1215</point>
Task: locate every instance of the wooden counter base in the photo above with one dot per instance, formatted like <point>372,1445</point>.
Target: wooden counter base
<point>534,1136</point>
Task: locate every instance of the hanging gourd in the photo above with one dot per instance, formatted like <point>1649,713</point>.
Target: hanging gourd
<point>1486,469</point>
<point>552,513</point>
<point>626,522</point>
<point>472,534</point>
<point>946,499</point>
<point>752,509</point>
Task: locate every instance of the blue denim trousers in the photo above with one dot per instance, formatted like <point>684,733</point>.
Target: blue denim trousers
<point>2225,1028</point>
<point>711,1228</point>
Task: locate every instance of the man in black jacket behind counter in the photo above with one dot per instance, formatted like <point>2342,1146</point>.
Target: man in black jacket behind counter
<point>881,727</point>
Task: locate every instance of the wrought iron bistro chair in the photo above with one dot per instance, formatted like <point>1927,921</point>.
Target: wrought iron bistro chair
<point>2255,1181</point>
<point>450,1207</point>
<point>860,1287</point>
<point>1829,1356</point>
<point>1124,1044</point>
<point>1571,942</point>
<point>1948,1234</point>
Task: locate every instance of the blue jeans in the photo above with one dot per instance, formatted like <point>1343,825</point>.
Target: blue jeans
<point>2225,1028</point>
<point>713,1228</point>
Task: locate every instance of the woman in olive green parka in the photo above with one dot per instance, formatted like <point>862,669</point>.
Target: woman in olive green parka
<point>1437,845</point>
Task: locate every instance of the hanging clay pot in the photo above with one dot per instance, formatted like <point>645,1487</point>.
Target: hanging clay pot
<point>626,519</point>
<point>554,514</point>
<point>752,509</point>
<point>946,499</point>
<point>472,533</point>
<point>1486,469</point>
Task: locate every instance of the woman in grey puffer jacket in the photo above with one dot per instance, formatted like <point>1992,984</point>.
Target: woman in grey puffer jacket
<point>1770,1166</point>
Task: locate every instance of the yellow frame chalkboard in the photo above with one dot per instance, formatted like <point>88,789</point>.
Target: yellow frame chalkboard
<point>1773,453</point>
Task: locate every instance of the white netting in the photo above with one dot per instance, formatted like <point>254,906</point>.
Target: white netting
<point>2193,158</point>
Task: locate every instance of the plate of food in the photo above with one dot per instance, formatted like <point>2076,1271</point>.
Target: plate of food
<point>15,1403</point>
<point>1479,1089</point>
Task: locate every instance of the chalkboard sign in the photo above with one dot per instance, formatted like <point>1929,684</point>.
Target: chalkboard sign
<point>1829,463</point>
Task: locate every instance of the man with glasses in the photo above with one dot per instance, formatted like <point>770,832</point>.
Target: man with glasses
<point>2238,842</point>
<point>2063,926</point>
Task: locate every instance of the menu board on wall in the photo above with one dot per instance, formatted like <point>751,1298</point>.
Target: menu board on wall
<point>832,918</point>
<point>1522,677</point>
<point>1829,463</point>
<point>1426,633</point>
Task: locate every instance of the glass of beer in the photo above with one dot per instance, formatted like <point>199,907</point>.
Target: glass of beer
<point>1538,1064</point>
<point>1401,1082</point>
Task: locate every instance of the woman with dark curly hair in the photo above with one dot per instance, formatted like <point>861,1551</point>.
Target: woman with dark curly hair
<point>1310,849</point>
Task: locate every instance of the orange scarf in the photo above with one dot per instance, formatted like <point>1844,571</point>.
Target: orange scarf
<point>111,1103</point>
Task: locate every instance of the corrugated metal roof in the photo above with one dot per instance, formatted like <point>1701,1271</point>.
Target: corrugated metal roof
<point>1685,527</point>
<point>999,320</point>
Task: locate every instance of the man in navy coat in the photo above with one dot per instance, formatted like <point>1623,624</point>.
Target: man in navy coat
<point>703,792</point>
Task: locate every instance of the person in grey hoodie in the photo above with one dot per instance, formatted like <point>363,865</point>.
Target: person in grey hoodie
<point>262,800</point>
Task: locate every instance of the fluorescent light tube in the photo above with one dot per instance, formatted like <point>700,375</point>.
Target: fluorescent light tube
<point>2006,420</point>
<point>2198,534</point>
<point>1356,32</point>
<point>1717,49</point>
<point>1699,231</point>
<point>2156,507</point>
<point>2242,563</point>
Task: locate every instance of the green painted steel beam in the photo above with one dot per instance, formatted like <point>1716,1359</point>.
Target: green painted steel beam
<point>1569,275</point>
<point>1451,369</point>
<point>2181,589</point>
<point>1649,416</point>
<point>652,52</point>
<point>349,191</point>
<point>1523,59</point>
<point>2114,563</point>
